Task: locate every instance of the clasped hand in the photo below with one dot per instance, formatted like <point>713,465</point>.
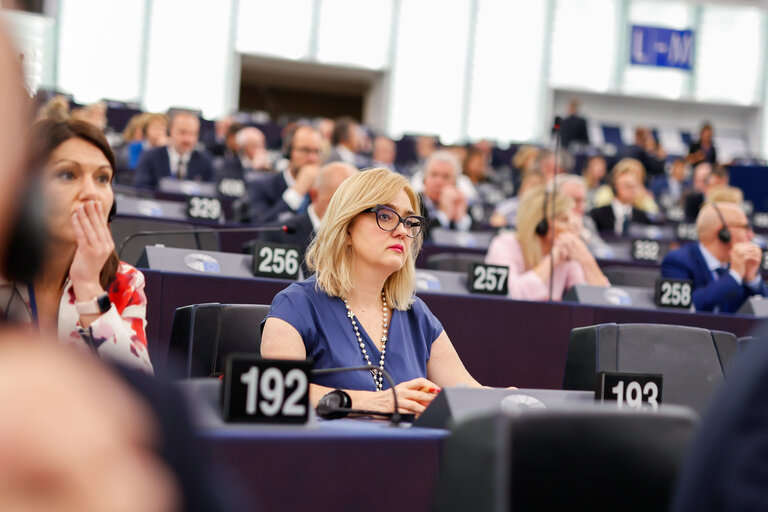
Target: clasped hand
<point>745,259</point>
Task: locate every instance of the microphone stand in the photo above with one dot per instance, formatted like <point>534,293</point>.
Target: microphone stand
<point>395,418</point>
<point>556,134</point>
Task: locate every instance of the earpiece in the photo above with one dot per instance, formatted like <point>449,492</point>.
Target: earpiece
<point>332,406</point>
<point>112,212</point>
<point>542,228</point>
<point>723,234</point>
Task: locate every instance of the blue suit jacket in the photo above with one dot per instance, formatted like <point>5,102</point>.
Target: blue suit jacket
<point>266,195</point>
<point>155,164</point>
<point>688,263</point>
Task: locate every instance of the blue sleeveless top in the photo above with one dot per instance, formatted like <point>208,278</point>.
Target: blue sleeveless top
<point>330,341</point>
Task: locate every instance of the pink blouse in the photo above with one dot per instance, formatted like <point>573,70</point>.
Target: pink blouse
<point>526,284</point>
<point>117,335</point>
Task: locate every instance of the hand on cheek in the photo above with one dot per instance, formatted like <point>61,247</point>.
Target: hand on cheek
<point>94,245</point>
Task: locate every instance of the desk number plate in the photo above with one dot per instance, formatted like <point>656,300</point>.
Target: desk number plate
<point>646,250</point>
<point>265,390</point>
<point>632,390</point>
<point>207,208</point>
<point>489,279</point>
<point>673,293</point>
<point>276,260</point>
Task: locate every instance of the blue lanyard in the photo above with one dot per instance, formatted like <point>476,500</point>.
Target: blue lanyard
<point>32,302</point>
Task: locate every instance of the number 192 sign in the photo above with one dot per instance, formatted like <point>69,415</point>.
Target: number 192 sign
<point>491,279</point>
<point>265,390</point>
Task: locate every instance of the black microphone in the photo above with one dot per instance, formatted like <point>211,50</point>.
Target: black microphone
<point>338,404</point>
<point>284,228</point>
<point>556,134</point>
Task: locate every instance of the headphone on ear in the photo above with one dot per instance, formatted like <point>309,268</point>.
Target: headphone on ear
<point>332,405</point>
<point>27,238</point>
<point>112,211</point>
<point>723,234</point>
<point>542,228</point>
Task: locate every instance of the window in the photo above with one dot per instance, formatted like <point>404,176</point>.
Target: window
<point>99,49</point>
<point>583,44</point>
<point>727,68</point>
<point>429,70</point>
<point>355,33</point>
<point>279,28</point>
<point>189,56</point>
<point>667,83</point>
<point>506,88</point>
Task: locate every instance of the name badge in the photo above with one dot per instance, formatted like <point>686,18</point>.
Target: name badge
<point>260,390</point>
<point>206,208</point>
<point>275,260</point>
<point>646,250</point>
<point>633,390</point>
<point>687,231</point>
<point>230,187</point>
<point>488,279</point>
<point>673,293</point>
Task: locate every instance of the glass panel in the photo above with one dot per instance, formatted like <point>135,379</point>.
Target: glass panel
<point>187,56</point>
<point>506,94</point>
<point>280,28</point>
<point>428,77</point>
<point>100,59</point>
<point>355,32</point>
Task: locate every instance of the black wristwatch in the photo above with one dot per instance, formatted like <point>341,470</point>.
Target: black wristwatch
<point>96,306</point>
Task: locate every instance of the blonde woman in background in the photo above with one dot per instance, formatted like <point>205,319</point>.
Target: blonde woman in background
<point>527,251</point>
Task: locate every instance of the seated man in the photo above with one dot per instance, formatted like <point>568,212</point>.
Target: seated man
<point>251,157</point>
<point>617,215</point>
<point>283,194</point>
<point>445,204</point>
<point>724,266</point>
<point>179,159</point>
<point>306,224</point>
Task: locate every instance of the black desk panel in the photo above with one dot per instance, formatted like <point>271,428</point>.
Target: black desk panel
<point>502,342</point>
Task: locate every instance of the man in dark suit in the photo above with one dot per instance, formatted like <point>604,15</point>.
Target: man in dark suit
<point>330,178</point>
<point>346,141</point>
<point>281,195</point>
<point>620,213</point>
<point>251,156</point>
<point>724,266</point>
<point>445,205</point>
<point>178,159</point>
<point>574,127</point>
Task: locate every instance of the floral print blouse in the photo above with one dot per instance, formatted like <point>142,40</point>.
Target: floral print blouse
<point>117,335</point>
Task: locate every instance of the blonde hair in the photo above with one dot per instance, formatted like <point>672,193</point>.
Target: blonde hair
<point>330,254</point>
<point>529,214</point>
<point>725,194</point>
<point>626,165</point>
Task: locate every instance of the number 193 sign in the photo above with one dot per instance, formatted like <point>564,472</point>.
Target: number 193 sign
<point>633,390</point>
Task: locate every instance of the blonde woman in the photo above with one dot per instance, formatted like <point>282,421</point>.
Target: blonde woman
<point>527,251</point>
<point>360,308</point>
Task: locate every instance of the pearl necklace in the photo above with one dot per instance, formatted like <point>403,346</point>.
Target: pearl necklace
<point>378,373</point>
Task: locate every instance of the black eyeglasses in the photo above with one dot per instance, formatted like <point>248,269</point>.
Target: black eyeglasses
<point>388,220</point>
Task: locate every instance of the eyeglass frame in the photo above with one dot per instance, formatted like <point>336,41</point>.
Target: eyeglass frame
<point>400,220</point>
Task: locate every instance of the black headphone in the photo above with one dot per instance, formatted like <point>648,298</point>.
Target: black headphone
<point>542,228</point>
<point>332,405</point>
<point>723,234</point>
<point>27,238</point>
<point>112,211</point>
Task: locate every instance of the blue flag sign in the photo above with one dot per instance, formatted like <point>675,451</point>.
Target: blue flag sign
<point>661,47</point>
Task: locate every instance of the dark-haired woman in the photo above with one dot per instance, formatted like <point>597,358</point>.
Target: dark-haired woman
<point>83,292</point>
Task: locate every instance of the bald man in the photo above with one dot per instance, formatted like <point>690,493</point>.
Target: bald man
<point>252,155</point>
<point>306,224</point>
<point>724,268</point>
